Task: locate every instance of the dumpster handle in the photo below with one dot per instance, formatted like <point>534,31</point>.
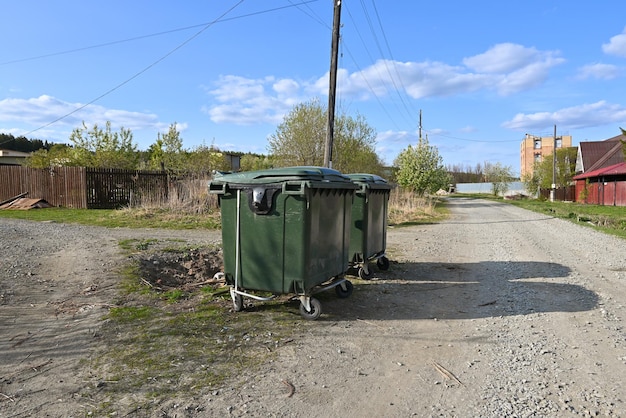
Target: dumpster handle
<point>237,244</point>
<point>294,188</point>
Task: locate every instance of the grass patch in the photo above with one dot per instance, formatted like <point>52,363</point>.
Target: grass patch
<point>163,343</point>
<point>125,314</point>
<point>607,219</point>
<point>120,218</point>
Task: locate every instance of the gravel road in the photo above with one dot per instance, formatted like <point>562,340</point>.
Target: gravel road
<point>496,312</point>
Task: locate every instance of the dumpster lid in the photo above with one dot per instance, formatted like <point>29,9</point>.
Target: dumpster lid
<point>369,180</point>
<point>278,175</point>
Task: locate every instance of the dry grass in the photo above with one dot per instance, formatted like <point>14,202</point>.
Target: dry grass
<point>405,207</point>
<point>190,197</point>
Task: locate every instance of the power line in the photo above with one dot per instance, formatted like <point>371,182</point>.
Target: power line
<point>470,140</point>
<point>208,25</point>
<point>167,32</point>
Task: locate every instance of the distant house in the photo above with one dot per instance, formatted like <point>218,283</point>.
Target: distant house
<point>601,168</point>
<point>593,155</point>
<point>10,157</point>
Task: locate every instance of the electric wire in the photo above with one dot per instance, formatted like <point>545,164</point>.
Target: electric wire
<point>382,53</point>
<point>167,32</point>
<point>469,140</point>
<point>393,60</point>
<point>128,80</point>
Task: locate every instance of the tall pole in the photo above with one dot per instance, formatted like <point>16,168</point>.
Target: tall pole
<point>420,127</point>
<point>328,152</point>
<point>553,189</point>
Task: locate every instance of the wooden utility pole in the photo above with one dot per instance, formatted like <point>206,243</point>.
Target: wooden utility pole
<point>553,188</point>
<point>328,153</point>
<point>420,126</point>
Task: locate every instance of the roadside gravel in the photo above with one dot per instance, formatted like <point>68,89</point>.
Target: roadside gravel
<point>495,312</point>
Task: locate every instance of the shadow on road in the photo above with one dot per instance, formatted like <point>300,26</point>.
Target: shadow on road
<point>460,291</point>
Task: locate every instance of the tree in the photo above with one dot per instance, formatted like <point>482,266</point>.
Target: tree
<point>167,152</point>
<point>500,177</point>
<point>251,162</point>
<point>354,146</point>
<point>466,174</point>
<point>203,159</point>
<point>421,169</point>
<point>22,144</point>
<point>103,148</point>
<point>541,177</point>
<point>300,140</point>
<point>58,155</point>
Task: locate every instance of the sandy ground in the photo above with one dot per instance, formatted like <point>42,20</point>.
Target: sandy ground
<point>496,312</point>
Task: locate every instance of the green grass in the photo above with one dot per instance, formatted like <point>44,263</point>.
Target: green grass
<point>119,218</point>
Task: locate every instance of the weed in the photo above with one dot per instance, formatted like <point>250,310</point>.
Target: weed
<point>125,314</point>
<point>173,296</point>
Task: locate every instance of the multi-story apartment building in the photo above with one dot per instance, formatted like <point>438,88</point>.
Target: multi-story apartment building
<point>536,148</point>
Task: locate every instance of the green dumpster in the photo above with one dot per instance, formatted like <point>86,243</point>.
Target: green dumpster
<point>285,231</point>
<point>368,234</point>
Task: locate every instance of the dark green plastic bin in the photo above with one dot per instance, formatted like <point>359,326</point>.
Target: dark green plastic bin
<point>285,231</point>
<point>368,234</point>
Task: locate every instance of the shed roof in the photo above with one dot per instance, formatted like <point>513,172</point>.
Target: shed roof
<point>612,170</point>
<point>598,154</point>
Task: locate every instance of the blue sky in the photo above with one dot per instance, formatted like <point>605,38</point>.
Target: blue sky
<point>483,73</point>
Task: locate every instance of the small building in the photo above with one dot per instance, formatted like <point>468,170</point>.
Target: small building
<point>603,186</point>
<point>534,149</point>
<point>10,157</point>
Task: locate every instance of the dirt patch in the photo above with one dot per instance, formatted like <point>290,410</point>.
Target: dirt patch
<point>184,269</point>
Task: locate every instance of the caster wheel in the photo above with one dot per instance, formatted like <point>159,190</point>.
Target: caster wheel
<point>237,302</point>
<point>383,263</point>
<point>314,313</point>
<point>363,275</point>
<point>344,290</point>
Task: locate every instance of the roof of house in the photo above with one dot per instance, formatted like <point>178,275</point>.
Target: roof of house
<point>612,170</point>
<point>12,153</point>
<point>598,154</point>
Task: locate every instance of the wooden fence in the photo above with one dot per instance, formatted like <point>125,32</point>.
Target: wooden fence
<point>80,187</point>
<point>567,193</point>
<point>608,193</point>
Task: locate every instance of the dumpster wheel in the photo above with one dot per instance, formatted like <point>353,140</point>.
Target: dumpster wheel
<point>364,273</point>
<point>237,300</point>
<point>314,309</point>
<point>383,263</point>
<point>344,289</point>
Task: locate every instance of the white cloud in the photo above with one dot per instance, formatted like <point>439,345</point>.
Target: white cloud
<point>575,117</point>
<point>616,45</point>
<point>235,88</point>
<point>599,71</point>
<point>286,87</point>
<point>505,68</point>
<point>502,58</point>
<point>42,110</point>
<point>468,129</point>
<point>246,101</point>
